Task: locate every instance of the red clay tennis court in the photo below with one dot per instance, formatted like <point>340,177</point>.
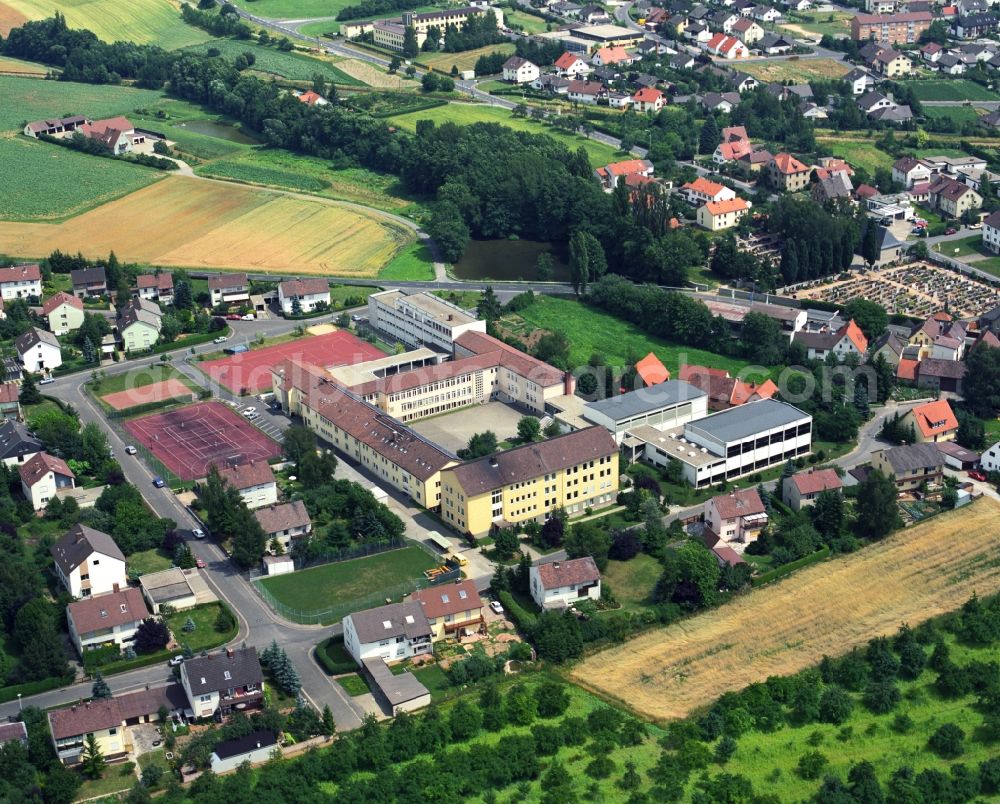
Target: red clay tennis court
<point>252,370</point>
<point>189,439</point>
<point>145,394</point>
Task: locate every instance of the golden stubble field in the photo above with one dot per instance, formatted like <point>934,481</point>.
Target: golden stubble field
<point>187,222</point>
<point>788,626</point>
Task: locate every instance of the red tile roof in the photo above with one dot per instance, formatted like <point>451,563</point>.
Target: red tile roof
<point>247,475</point>
<point>567,60</point>
<point>276,518</point>
<point>61,298</point>
<point>629,166</point>
<point>651,370</point>
<point>731,133</point>
<point>527,366</point>
<point>735,150</point>
<point>907,369</point>
<point>816,481</point>
<point>310,98</point>
<point>100,714</point>
<point>20,273</point>
<point>704,186</point>
<point>305,287</point>
<point>108,611</point>
<point>161,281</point>
<point>10,392</point>
<point>853,332</point>
<point>556,574</point>
<point>739,503</point>
<point>935,418</point>
<point>787,164</point>
<point>613,55</point>
<point>729,205</point>
<point>647,95</point>
<point>452,598</point>
<point>39,466</point>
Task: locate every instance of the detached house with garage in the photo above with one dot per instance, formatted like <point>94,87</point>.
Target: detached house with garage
<point>254,481</point>
<point>801,490</point>
<point>284,523</point>
<point>736,518</point>
<point>64,313</point>
<point>451,609</point>
<point>105,620</point>
<point>307,294</point>
<point>38,351</point>
<point>43,477</point>
<point>391,633</point>
<point>558,584</point>
<point>229,289</point>
<point>932,422</point>
<point>218,683</point>
<point>88,562</point>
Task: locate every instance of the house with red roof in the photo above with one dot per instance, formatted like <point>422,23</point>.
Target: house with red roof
<point>651,370</point>
<point>64,312</point>
<point>932,421</point>
<point>847,340</point>
<point>610,175</point>
<point>648,99</point>
<point>701,191</point>
<point>117,134</point>
<point>451,609</point>
<point>724,391</point>
<point>43,476</point>
<point>570,65</point>
<point>20,281</point>
<point>718,215</point>
<point>158,287</point>
<point>731,151</point>
<point>787,173</point>
<point>736,518</point>
<point>254,481</point>
<point>558,584</point>
<point>607,56</point>
<point>801,489</point>
<point>103,620</point>
<point>726,47</point>
<point>311,98</point>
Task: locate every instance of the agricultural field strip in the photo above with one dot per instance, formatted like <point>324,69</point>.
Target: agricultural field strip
<point>782,628</point>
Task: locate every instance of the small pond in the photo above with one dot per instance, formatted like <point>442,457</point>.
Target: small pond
<point>509,260</point>
<point>220,131</point>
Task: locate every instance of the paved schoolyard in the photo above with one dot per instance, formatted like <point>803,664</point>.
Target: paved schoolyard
<point>453,430</point>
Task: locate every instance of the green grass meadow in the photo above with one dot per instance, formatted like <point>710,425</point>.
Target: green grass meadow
<point>294,66</point>
<point>469,113</point>
<point>414,262</point>
<point>951,89</point>
<point>590,330</point>
<point>632,581</point>
<point>24,99</point>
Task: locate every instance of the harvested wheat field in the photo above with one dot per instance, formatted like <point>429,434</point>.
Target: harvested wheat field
<point>10,18</point>
<point>371,75</point>
<point>787,626</point>
<point>200,224</point>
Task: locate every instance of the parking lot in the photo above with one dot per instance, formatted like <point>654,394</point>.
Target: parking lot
<point>453,430</point>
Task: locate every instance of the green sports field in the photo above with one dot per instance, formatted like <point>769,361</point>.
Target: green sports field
<point>469,113</point>
<point>141,21</point>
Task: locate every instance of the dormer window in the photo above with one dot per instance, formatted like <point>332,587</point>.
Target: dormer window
<point>227,675</point>
<point>104,613</point>
<point>124,608</point>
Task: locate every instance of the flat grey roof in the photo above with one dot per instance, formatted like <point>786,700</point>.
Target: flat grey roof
<point>166,585</point>
<point>397,689</point>
<point>747,420</point>
<point>644,400</point>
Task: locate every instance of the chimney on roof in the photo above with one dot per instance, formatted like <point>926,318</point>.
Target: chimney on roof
<point>258,743</point>
<point>493,460</point>
<point>114,586</point>
<point>229,652</point>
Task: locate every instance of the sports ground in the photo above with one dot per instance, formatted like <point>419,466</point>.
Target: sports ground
<point>146,394</point>
<point>190,439</point>
<point>252,370</point>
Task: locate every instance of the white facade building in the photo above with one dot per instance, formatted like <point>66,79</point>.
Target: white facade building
<point>38,350</point>
<point>420,319</point>
<point>20,281</point>
<point>308,292</point>
<point>254,481</point>
<point>88,562</point>
<point>558,584</point>
<point>104,620</point>
<point>391,633</point>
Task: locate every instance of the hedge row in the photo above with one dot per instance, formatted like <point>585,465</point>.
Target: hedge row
<point>791,566</point>
<point>421,106</point>
<point>524,619</point>
<point>333,664</point>
<point>34,687</point>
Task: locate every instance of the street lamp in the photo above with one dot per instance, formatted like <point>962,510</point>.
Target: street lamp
<point>20,708</point>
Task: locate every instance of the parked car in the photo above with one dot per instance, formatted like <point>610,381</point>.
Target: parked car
<point>198,533</point>
<point>249,317</point>
<point>950,230</point>
<point>130,450</point>
<point>175,661</point>
<point>496,607</point>
<point>975,226</point>
<point>200,563</point>
<point>976,474</point>
<point>159,482</point>
<point>252,416</point>
<point>356,318</point>
<point>248,411</point>
<point>220,339</point>
<point>233,317</point>
<point>47,381</point>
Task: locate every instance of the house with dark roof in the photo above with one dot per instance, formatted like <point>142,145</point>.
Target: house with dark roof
<point>255,748</point>
<point>451,609</point>
<point>937,374</point>
<point>953,197</point>
<point>911,465</point>
<point>889,346</point>
<point>284,523</point>
<point>393,633</point>
<point>43,476</point>
<point>254,481</point>
<point>801,489</point>
<point>17,445</point>
<point>736,518</point>
<point>218,683</point>
<point>38,350</point>
<point>574,471</point>
<point>89,282</point>
<point>559,584</point>
<point>110,720</point>
<point>104,620</point>
<point>88,562</point>
<point>64,313</point>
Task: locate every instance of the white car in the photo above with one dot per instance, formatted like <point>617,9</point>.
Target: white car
<point>221,339</point>
<point>198,533</point>
<point>249,317</point>
<point>495,605</point>
<point>130,450</point>
<point>252,416</point>
<point>248,411</point>
<point>175,661</point>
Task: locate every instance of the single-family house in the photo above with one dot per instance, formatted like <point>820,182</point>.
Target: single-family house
<point>718,215</point>
<point>311,98</point>
<point>64,313</point>
<point>21,281</point>
<point>217,684</point>
<point>723,102</point>
<point>138,326</point>
<point>104,620</point>
<point>861,81</point>
<point>88,562</point>
<point>254,481</point>
<point>13,732</point>
<point>608,56</point>
<point>931,52</point>
<point>156,287</point>
<point>701,191</point>
<point>109,720</point>
<point>847,340</point>
<point>558,584</point>
<point>648,99</point>
<point>737,518</point>
<point>89,282</point>
<point>520,71</point>
<point>911,465</point>
<point>391,633</point>
<point>801,489</point>
<point>450,609</point>
<point>909,170</point>
<point>747,30</point>
<point>953,197</point>
<point>551,83</point>
<point>681,61</point>
<point>785,172</point>
<point>588,92</point>
<point>17,444</point>
<point>307,294</point>
<point>116,134</point>
<point>932,421</point>
<point>756,160</point>
<point>593,15</point>
<point>832,187</point>
<point>10,404</point>
<point>570,65</point>
<point>726,47</point>
<point>950,64</point>
<point>228,289</point>
<point>894,114</point>
<point>726,152</point>
<point>610,175</point>
<point>42,476</point>
<point>254,748</point>
<point>284,523</point>
<point>890,347</point>
<point>991,232</point>
<point>891,64</point>
<point>38,351</point>
<point>773,44</point>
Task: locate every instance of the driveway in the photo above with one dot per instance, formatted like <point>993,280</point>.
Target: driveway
<point>143,737</point>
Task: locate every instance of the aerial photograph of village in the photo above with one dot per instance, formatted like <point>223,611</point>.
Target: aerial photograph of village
<point>499,401</point>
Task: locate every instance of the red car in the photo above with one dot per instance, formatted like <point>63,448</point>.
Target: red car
<point>950,230</point>
<point>233,317</point>
<point>200,563</point>
<point>975,474</point>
